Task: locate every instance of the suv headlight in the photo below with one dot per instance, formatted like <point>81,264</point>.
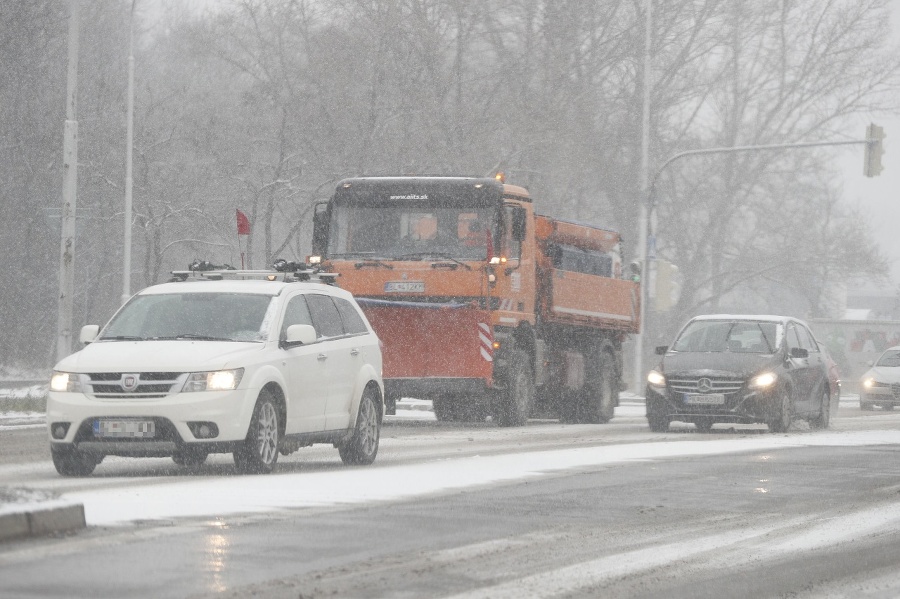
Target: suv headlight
<point>216,380</point>
<point>65,381</point>
<point>763,381</point>
<point>656,379</point>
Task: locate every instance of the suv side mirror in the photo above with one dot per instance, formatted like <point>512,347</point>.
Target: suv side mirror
<point>661,350</point>
<point>799,352</point>
<point>300,334</point>
<point>88,333</point>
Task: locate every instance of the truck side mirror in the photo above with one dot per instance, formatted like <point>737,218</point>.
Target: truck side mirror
<point>519,217</point>
<point>320,228</point>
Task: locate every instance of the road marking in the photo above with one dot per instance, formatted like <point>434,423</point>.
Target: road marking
<point>727,550</point>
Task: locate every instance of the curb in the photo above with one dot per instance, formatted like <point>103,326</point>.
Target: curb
<point>36,516</point>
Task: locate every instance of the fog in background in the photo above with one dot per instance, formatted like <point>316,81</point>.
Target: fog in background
<point>262,105</point>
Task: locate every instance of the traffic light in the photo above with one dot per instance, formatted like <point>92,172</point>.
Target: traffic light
<point>874,150</point>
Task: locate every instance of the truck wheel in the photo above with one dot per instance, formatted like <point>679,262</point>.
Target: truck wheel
<point>518,396</point>
<point>441,407</point>
<point>569,407</point>
<point>447,408</point>
<point>259,451</point>
<point>601,393</point>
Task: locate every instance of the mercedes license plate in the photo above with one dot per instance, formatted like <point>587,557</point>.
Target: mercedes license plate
<point>130,428</point>
<point>707,399</point>
<point>404,287</point>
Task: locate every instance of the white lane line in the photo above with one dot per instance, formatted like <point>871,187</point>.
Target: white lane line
<point>729,549</point>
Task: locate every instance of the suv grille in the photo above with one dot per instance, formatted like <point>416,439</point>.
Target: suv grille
<point>718,385</point>
<point>147,385</point>
<point>895,391</point>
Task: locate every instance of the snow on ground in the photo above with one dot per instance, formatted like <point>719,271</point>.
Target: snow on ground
<point>19,420</point>
<point>233,495</point>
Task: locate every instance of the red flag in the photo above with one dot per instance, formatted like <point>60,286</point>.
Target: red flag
<point>243,223</point>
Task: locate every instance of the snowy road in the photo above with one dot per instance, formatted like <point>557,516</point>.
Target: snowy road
<point>547,510</point>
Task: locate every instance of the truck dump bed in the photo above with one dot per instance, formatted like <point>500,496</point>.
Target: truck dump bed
<point>579,281</point>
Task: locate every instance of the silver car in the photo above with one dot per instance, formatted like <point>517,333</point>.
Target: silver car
<point>881,383</point>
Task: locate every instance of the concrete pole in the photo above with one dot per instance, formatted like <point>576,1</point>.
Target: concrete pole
<point>129,143</point>
<point>70,181</point>
<point>644,200</point>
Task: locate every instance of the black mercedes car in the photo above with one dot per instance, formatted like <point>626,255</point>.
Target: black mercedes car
<point>741,369</point>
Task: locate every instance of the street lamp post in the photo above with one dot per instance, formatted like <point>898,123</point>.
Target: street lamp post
<point>129,142</point>
<point>644,204</point>
<point>69,196</point>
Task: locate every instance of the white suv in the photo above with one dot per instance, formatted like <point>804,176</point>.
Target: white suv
<point>189,368</point>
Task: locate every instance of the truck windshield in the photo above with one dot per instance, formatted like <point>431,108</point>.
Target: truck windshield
<point>411,232</point>
<point>754,337</point>
<point>192,316</point>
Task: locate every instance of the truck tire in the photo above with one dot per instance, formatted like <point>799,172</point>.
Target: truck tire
<point>518,396</point>
<point>443,409</point>
<point>601,392</point>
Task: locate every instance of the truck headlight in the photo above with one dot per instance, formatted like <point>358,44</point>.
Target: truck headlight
<point>216,380</point>
<point>656,379</point>
<point>763,381</point>
<point>65,381</point>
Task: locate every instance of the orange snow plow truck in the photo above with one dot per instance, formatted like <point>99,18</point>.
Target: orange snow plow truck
<point>482,306</point>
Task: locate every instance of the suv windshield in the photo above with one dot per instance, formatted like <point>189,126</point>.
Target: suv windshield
<point>756,337</point>
<point>411,232</point>
<point>192,316</point>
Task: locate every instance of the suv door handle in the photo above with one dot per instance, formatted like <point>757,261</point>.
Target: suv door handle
<point>354,352</point>
<point>321,357</point>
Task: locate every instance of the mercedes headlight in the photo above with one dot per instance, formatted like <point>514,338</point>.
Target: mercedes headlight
<point>656,379</point>
<point>217,380</point>
<point>763,381</point>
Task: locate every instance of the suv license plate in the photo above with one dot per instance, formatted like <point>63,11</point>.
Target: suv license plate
<point>708,399</point>
<point>137,429</point>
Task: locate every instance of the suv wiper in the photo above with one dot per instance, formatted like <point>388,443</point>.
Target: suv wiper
<point>440,255</point>
<point>192,337</point>
<point>121,338</point>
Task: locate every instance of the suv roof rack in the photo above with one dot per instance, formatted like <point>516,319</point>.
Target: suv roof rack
<point>282,270</point>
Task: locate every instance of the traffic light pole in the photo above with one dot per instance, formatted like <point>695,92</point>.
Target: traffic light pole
<point>647,236</point>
